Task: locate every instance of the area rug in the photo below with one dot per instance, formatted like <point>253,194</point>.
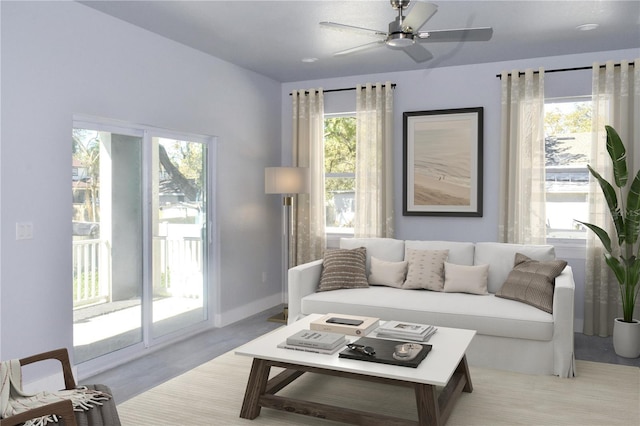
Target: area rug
<point>211,394</point>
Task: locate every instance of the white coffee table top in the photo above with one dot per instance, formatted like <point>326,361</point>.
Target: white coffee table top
<point>448,347</point>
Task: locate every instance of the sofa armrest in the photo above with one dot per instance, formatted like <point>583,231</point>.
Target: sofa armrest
<point>563,311</point>
<point>303,280</point>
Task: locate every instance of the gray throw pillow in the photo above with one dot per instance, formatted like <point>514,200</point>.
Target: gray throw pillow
<point>344,268</point>
<point>532,282</point>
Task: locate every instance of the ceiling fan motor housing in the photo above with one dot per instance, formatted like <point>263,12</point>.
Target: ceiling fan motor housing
<point>399,4</point>
<point>399,37</point>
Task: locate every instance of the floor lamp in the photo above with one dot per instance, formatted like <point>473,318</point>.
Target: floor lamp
<point>286,181</point>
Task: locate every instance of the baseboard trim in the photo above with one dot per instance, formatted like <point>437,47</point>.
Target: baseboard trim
<point>234,315</point>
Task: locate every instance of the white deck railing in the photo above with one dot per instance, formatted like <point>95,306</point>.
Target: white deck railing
<point>180,268</point>
<point>88,287</point>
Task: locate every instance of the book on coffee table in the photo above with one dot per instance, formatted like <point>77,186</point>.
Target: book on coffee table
<point>384,350</point>
<point>284,345</point>
<point>405,330</point>
<point>317,339</point>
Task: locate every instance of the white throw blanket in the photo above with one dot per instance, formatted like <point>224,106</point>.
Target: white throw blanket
<point>14,401</point>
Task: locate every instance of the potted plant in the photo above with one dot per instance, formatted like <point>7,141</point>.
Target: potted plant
<point>622,253</point>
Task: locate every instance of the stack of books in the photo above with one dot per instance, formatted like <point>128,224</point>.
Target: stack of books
<point>405,331</point>
<point>322,342</point>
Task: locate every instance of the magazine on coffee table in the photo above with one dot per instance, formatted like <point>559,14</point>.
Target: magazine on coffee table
<point>384,352</point>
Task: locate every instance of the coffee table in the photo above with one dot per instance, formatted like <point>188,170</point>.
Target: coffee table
<point>445,366</point>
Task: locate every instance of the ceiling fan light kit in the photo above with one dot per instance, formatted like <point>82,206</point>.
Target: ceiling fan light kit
<point>404,32</point>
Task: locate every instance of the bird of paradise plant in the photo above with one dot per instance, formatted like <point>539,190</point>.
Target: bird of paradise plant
<point>623,258</point>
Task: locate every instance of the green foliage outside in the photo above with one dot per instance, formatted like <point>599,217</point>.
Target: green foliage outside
<point>80,291</point>
<point>188,157</point>
<point>86,151</point>
<point>339,159</point>
<point>578,120</point>
<point>560,127</point>
<point>339,153</point>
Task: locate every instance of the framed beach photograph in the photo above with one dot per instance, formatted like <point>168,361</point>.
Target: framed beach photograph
<point>442,161</point>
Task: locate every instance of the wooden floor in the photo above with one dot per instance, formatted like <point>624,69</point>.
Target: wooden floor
<point>144,373</point>
<point>135,377</point>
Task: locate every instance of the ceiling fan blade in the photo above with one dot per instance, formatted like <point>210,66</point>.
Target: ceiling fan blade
<point>465,34</point>
<point>360,48</point>
<point>419,15</point>
<point>418,53</point>
<point>351,28</point>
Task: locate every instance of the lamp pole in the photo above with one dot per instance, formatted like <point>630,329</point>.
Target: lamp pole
<point>286,181</point>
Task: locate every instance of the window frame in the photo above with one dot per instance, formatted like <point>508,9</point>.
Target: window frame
<point>568,247</point>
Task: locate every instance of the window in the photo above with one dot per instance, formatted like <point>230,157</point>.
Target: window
<point>567,150</point>
<point>140,236</point>
<point>340,173</point>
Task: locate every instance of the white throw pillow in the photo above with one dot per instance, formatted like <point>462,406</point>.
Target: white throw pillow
<point>426,269</point>
<point>391,274</point>
<point>465,278</point>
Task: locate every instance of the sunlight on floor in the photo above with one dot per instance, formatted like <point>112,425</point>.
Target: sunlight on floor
<point>105,326</point>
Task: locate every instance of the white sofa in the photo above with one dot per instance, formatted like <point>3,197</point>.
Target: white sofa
<point>511,335</point>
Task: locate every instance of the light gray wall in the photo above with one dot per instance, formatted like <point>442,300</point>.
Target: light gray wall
<point>460,87</point>
<point>63,58</point>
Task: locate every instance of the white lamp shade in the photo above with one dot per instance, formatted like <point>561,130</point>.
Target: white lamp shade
<point>286,180</point>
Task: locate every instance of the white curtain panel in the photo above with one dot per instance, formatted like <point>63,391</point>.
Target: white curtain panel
<point>522,180</point>
<point>308,240</point>
<point>616,102</point>
<point>374,161</point>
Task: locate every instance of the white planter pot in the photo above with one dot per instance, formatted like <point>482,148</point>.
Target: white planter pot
<point>626,338</point>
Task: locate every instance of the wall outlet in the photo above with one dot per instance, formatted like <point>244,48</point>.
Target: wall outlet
<point>264,277</point>
<point>24,230</point>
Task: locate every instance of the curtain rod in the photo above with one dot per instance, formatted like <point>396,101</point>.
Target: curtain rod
<point>563,70</point>
<point>393,86</point>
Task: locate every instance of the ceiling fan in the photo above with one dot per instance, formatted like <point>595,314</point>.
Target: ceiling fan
<point>404,32</point>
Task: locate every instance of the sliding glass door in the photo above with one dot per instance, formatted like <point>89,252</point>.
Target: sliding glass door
<point>179,211</point>
<point>140,237</point>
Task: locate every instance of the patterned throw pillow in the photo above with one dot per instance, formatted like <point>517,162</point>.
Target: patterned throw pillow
<point>344,268</point>
<point>532,282</point>
<point>426,269</point>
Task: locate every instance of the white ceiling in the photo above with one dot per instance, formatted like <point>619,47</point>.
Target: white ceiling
<point>272,37</point>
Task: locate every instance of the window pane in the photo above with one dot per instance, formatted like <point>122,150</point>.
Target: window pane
<point>107,242</point>
<point>567,149</point>
<point>179,227</point>
<point>340,161</point>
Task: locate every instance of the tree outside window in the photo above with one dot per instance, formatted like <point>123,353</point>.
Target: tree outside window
<point>340,172</point>
<point>567,149</point>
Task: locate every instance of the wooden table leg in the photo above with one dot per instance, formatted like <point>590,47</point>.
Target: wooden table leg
<point>463,368</point>
<point>256,386</point>
<point>427,403</point>
<point>435,410</point>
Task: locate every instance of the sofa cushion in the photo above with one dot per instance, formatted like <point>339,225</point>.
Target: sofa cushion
<point>465,278</point>
<point>425,269</point>
<point>489,315</point>
<point>500,258</point>
<point>388,249</point>
<point>391,274</point>
<point>460,253</point>
<point>532,282</point>
<point>342,268</point>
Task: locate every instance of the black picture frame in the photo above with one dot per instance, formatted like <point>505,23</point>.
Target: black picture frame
<point>442,162</point>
